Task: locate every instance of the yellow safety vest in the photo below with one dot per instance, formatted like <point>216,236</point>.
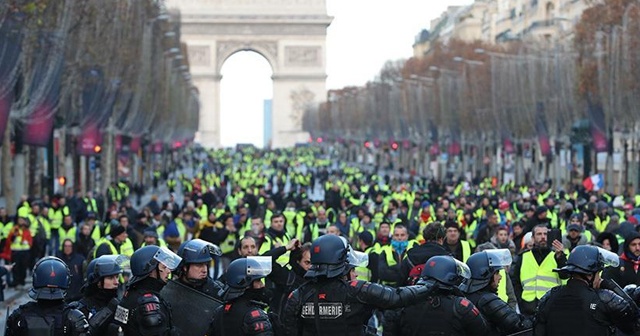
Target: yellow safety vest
<point>112,248</point>
<point>267,245</point>
<point>502,286</point>
<point>18,244</point>
<point>70,234</point>
<point>55,217</point>
<point>362,272</point>
<point>538,279</point>
<point>601,224</point>
<point>229,243</point>
<point>466,250</point>
<point>126,248</point>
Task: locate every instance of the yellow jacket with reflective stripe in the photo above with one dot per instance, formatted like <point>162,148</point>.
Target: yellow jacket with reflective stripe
<point>502,286</point>
<point>537,279</point>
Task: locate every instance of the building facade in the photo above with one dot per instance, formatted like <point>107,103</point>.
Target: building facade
<point>497,21</point>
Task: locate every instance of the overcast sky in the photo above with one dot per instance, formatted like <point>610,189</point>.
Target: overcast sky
<point>363,36</point>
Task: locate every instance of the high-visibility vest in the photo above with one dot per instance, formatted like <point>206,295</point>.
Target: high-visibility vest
<point>92,205</point>
<point>362,272</point>
<point>161,243</point>
<point>56,217</point>
<point>67,234</point>
<point>267,245</point>
<point>502,286</point>
<point>126,248</point>
<point>112,247</point>
<point>466,250</point>
<point>538,279</point>
<point>203,211</point>
<point>601,224</point>
<point>18,244</point>
<point>229,243</point>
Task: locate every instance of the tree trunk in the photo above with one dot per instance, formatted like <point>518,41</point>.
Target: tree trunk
<point>7,176</point>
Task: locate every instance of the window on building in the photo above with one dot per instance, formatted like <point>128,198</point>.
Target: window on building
<point>512,14</point>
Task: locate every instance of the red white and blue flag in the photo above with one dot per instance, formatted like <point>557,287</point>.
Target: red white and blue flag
<point>594,182</point>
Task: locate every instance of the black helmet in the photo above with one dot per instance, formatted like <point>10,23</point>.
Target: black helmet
<point>445,270</point>
<point>198,251</point>
<point>587,259</point>
<point>104,266</point>
<point>51,278</point>
<point>328,257</point>
<point>243,272</point>
<point>146,259</point>
<point>483,265</point>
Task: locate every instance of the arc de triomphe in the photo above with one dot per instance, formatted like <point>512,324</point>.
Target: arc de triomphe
<point>290,34</point>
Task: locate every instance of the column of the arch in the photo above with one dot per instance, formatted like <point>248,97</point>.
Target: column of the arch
<point>209,128</point>
<point>286,132</point>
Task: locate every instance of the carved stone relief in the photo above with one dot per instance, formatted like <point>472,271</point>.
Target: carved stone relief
<point>301,99</point>
<point>303,56</point>
<point>199,55</point>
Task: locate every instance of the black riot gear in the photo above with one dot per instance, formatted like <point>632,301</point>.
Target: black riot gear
<point>142,310</point>
<point>445,311</point>
<point>335,306</point>
<point>328,257</point>
<point>51,278</point>
<point>243,311</point>
<point>48,315</point>
<point>198,251</point>
<point>501,318</point>
<point>591,311</point>
<point>99,303</point>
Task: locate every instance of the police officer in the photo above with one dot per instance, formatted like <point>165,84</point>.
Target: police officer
<point>142,311</point>
<point>196,257</point>
<point>482,290</point>
<point>328,304</point>
<point>582,307</point>
<point>245,300</point>
<point>100,298</point>
<point>47,314</point>
<point>446,311</point>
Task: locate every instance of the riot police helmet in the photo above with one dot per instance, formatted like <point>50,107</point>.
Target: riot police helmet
<point>104,266</point>
<point>587,259</point>
<point>51,277</point>
<point>483,265</point>
<point>198,251</point>
<point>243,272</point>
<point>147,258</point>
<point>328,257</point>
<point>445,271</point>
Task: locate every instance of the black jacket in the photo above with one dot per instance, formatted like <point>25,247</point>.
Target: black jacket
<point>627,272</point>
<point>419,255</point>
<point>501,319</point>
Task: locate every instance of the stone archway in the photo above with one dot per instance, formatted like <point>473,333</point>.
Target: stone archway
<point>290,34</point>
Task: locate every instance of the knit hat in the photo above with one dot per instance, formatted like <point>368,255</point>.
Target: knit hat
<point>366,237</point>
<point>116,230</point>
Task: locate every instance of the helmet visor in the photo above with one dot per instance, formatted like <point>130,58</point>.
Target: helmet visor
<point>167,258</point>
<point>608,258</point>
<point>499,258</point>
<point>358,259</point>
<point>263,270</point>
<point>463,270</point>
<point>111,264</point>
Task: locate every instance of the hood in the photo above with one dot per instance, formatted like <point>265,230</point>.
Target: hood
<point>626,229</point>
<point>625,250</point>
<point>420,254</point>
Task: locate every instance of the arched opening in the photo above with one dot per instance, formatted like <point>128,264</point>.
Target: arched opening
<point>246,91</point>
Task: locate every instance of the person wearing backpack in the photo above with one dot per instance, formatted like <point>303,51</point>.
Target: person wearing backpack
<point>412,265</point>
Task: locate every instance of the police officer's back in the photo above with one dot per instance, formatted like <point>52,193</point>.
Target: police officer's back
<point>196,257</point>
<point>47,314</point>
<point>446,311</point>
<point>482,291</point>
<point>328,304</point>
<point>142,311</point>
<point>244,300</point>
<point>580,307</point>
<point>100,294</point>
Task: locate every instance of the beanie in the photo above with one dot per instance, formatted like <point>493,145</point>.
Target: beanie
<point>366,237</point>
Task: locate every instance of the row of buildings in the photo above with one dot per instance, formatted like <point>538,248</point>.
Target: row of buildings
<point>497,21</point>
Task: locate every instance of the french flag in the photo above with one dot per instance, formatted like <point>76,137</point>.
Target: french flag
<point>594,182</point>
